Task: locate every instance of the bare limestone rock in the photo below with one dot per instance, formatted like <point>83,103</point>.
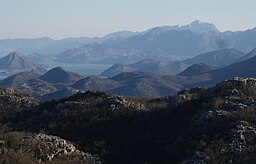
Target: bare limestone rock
<point>47,147</point>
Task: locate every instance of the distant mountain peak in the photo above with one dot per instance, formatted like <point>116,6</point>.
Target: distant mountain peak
<point>195,22</point>
<point>197,69</point>
<point>16,61</point>
<point>145,61</point>
<point>221,58</point>
<point>14,54</point>
<point>58,69</point>
<point>251,54</point>
<point>200,27</point>
<point>60,75</point>
<point>195,26</point>
<point>253,51</point>
<point>116,69</point>
<point>120,34</point>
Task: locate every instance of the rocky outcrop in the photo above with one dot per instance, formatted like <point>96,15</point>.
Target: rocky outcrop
<point>241,137</point>
<point>16,100</point>
<point>47,148</point>
<point>227,102</point>
<point>101,99</point>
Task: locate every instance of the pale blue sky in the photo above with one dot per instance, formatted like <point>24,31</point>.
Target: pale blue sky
<point>77,18</point>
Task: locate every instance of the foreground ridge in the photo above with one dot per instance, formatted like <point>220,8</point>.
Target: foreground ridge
<point>199,125</point>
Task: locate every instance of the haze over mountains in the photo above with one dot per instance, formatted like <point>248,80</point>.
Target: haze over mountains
<point>127,80</point>
<point>174,94</point>
<point>147,65</point>
<point>199,64</point>
<point>157,62</point>
<point>167,93</point>
<point>159,43</point>
<point>16,62</point>
<point>219,58</point>
<point>197,69</point>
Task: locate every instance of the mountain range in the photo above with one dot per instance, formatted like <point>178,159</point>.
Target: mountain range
<point>244,68</point>
<point>149,66</point>
<point>199,64</point>
<point>47,45</point>
<point>198,125</point>
<point>197,69</point>
<point>17,62</point>
<point>59,75</point>
<point>57,82</point>
<point>219,58</point>
<point>163,43</point>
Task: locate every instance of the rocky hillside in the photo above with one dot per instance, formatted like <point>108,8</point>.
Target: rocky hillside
<point>18,147</point>
<point>160,67</point>
<point>48,148</point>
<point>166,43</point>
<point>58,83</point>
<point>200,125</point>
<point>51,85</point>
<point>148,66</point>
<point>59,75</point>
<point>116,69</point>
<point>16,62</point>
<point>219,58</point>
<point>12,99</point>
<point>197,69</point>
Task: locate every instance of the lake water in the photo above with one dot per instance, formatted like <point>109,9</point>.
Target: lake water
<point>82,69</point>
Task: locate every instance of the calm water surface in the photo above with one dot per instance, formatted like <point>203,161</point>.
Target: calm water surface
<point>82,69</point>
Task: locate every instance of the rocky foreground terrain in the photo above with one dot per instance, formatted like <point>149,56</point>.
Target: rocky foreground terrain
<point>200,125</point>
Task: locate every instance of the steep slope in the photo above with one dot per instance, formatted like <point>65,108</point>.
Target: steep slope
<point>18,79</point>
<point>95,83</point>
<point>119,35</point>
<point>199,37</point>
<point>86,54</point>
<point>62,92</point>
<point>28,82</point>
<point>164,43</point>
<point>13,100</point>
<point>59,85</point>
<point>148,66</point>
<point>245,68</point>
<point>160,43</point>
<point>17,61</point>
<point>116,69</point>
<point>195,26</point>
<point>200,27</point>
<point>251,54</point>
<point>202,122</point>
<point>159,67</point>
<point>41,58</point>
<point>219,57</point>
<point>144,84</point>
<point>157,44</point>
<point>197,69</point>
<point>133,83</point>
<point>59,75</point>
<point>241,40</point>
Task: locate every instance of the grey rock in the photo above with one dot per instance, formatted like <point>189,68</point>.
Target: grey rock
<point>47,147</point>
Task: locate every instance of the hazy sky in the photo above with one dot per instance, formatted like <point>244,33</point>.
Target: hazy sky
<point>77,18</point>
